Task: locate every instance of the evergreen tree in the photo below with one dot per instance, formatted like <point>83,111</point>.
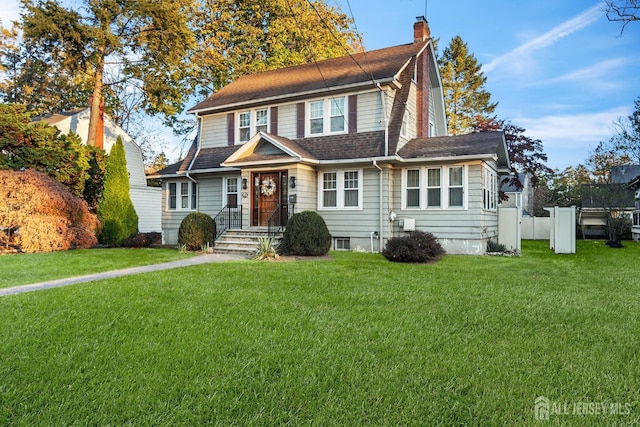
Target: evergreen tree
<point>36,145</point>
<point>115,211</point>
<point>148,39</point>
<point>466,101</point>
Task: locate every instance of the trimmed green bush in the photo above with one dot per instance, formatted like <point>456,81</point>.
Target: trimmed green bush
<point>306,235</point>
<point>416,247</point>
<point>196,231</point>
<point>115,211</point>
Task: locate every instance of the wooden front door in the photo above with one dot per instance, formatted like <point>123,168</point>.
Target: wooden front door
<point>268,192</point>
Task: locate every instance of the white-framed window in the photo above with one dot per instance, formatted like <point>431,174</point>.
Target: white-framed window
<point>490,189</point>
<point>327,116</point>
<point>413,188</point>
<point>456,186</point>
<point>231,191</point>
<point>316,117</point>
<point>182,196</point>
<point>252,122</point>
<point>434,187</point>
<point>262,120</point>
<point>244,126</point>
<point>341,189</point>
<point>337,115</point>
<point>342,244</point>
<point>329,190</point>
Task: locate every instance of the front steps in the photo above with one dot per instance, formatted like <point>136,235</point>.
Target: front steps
<point>244,242</point>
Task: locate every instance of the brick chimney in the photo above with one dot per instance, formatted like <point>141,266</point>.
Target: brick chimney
<point>421,31</point>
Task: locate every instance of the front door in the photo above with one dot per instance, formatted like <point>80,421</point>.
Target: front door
<point>269,190</point>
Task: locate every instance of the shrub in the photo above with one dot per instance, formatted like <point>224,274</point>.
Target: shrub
<point>196,230</point>
<point>43,214</point>
<point>493,246</point>
<point>416,247</point>
<point>143,240</point>
<point>306,235</point>
<point>266,249</point>
<point>115,211</point>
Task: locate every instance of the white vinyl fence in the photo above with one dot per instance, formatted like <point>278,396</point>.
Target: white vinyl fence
<point>536,228</point>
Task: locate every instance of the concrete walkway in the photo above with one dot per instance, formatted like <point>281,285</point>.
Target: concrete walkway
<point>200,259</point>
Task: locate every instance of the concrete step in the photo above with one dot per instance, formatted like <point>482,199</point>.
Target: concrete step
<point>243,241</point>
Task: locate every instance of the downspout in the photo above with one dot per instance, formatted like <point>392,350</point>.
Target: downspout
<point>195,156</point>
<point>381,211</point>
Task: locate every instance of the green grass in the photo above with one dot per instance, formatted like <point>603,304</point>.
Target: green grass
<point>354,341</point>
<point>23,269</point>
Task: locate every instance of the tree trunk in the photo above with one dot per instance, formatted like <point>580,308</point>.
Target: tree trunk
<point>96,100</point>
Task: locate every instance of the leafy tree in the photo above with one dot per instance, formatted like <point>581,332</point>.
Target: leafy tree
<point>465,98</point>
<point>604,157</point>
<point>525,153</point>
<point>627,134</point>
<point>148,40</point>
<point>115,211</point>
<point>624,11</point>
<point>36,145</point>
<point>567,186</point>
<point>247,36</point>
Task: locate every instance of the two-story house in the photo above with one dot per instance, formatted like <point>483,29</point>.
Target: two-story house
<point>361,139</point>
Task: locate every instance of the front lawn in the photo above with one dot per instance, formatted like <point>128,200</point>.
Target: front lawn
<point>24,269</point>
<point>353,341</point>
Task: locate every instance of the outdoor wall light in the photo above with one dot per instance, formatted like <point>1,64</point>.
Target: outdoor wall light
<point>293,182</point>
<point>244,183</point>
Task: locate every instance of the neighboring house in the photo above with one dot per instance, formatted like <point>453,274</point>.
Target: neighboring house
<point>599,199</point>
<point>634,185</point>
<point>146,200</point>
<point>519,197</point>
<point>359,139</point>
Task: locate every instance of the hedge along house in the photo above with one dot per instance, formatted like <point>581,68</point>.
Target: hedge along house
<point>360,139</point>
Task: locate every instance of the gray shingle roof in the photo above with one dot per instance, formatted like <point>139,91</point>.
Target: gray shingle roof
<point>473,144</point>
<point>359,68</point>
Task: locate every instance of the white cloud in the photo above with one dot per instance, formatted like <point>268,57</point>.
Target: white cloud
<point>597,76</point>
<point>567,139</point>
<point>518,57</point>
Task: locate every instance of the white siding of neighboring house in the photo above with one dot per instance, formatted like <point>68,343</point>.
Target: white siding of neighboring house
<point>146,200</point>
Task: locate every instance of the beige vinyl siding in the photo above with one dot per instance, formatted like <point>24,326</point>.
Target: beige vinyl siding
<point>287,121</point>
<point>358,224</point>
<point>369,112</point>
<point>214,130</point>
<point>306,188</point>
<point>209,201</point>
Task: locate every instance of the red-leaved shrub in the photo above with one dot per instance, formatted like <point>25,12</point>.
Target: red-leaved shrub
<point>38,214</point>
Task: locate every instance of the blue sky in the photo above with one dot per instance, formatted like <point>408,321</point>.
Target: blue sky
<point>558,68</point>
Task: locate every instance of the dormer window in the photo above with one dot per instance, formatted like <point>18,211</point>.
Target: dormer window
<point>327,116</point>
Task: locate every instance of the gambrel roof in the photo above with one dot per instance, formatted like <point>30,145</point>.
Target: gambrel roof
<point>347,72</point>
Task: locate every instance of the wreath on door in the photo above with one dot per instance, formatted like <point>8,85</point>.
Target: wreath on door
<point>268,187</point>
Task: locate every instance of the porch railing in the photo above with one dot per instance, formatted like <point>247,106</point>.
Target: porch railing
<point>279,218</point>
<point>228,217</point>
